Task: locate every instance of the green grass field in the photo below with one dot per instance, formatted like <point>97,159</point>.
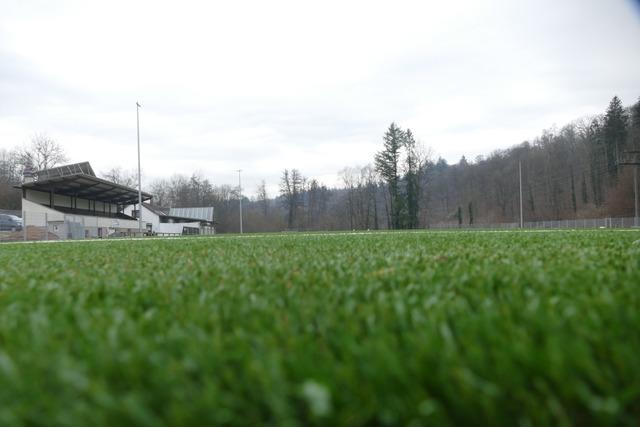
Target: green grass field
<point>441,328</point>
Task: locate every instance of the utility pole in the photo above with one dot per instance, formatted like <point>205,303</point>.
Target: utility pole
<point>520,174</point>
<point>632,158</point>
<point>240,197</point>
<point>139,179</point>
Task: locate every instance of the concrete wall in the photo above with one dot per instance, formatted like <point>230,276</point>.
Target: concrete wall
<point>65,201</point>
<point>82,204</point>
<point>36,214</point>
<point>148,217</point>
<point>60,200</point>
<point>37,196</point>
<point>175,227</point>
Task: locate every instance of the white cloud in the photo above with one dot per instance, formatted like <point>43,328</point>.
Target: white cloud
<point>267,85</point>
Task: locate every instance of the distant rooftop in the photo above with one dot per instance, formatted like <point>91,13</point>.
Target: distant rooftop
<point>201,213</point>
<point>157,209</point>
<point>83,168</point>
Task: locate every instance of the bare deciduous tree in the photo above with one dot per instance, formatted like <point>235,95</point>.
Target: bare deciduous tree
<point>9,196</point>
<point>292,186</point>
<point>128,178</point>
<point>42,152</point>
<point>263,197</point>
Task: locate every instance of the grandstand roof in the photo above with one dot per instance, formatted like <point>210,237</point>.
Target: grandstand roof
<point>79,180</point>
<point>201,213</point>
<point>65,170</point>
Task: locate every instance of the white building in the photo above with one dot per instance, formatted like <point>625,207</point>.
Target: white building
<point>175,220</point>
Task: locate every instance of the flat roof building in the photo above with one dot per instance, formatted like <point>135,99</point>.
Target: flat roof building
<point>175,220</point>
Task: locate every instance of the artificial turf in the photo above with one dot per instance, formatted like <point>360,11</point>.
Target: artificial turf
<point>408,328</point>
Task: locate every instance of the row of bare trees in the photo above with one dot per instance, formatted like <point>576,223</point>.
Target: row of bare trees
<point>42,152</point>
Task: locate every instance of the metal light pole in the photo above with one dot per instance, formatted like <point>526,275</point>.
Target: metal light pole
<point>139,179</point>
<point>520,173</point>
<point>240,197</point>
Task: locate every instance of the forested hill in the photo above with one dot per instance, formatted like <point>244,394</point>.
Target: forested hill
<point>567,173</point>
<point>571,172</point>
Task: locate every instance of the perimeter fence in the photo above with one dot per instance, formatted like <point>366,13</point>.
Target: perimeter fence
<point>610,222</point>
<point>35,226</point>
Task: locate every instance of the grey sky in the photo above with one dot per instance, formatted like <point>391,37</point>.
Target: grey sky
<point>268,85</point>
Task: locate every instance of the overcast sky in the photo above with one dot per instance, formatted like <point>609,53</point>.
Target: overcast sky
<point>267,85</point>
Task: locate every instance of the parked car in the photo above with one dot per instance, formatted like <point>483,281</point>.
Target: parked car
<point>10,223</point>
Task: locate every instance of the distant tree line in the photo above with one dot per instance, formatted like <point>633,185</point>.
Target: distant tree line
<point>571,172</point>
<point>567,173</point>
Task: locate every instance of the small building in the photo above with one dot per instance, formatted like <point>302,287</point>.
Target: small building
<point>175,220</point>
<point>72,202</point>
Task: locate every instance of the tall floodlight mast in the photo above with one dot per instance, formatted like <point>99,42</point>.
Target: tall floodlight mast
<point>139,179</point>
<point>240,197</point>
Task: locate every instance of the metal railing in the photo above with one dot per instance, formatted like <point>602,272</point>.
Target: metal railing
<point>40,227</point>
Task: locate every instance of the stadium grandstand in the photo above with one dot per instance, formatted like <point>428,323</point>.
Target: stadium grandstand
<point>71,202</point>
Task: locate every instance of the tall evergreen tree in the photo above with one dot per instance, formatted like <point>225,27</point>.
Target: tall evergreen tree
<point>387,164</point>
<point>263,198</point>
<point>597,159</point>
<point>615,134</point>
